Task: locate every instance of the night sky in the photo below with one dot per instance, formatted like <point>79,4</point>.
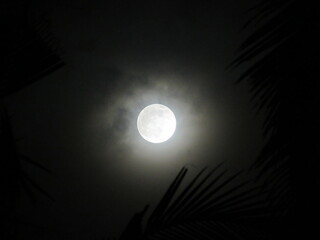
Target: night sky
<point>80,121</point>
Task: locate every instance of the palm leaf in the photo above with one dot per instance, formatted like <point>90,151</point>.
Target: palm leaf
<point>276,73</point>
<point>35,185</point>
<point>215,205</point>
<point>34,163</point>
<point>283,77</point>
<point>29,52</point>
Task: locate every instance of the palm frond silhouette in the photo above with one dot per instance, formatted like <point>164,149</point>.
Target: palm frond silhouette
<point>284,79</point>
<point>213,205</point>
<point>13,178</point>
<point>285,48</point>
<point>28,53</point>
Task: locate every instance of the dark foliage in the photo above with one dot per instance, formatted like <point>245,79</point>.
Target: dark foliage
<point>213,205</point>
<point>284,79</point>
<point>28,53</point>
<point>13,179</point>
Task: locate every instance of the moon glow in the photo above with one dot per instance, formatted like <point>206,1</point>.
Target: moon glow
<point>156,123</point>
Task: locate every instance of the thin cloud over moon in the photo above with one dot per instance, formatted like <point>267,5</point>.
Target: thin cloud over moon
<point>122,107</point>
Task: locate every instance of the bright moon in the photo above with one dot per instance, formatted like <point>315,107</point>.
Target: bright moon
<point>156,123</point>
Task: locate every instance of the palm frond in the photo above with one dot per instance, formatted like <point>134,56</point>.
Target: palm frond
<point>29,53</point>
<point>215,205</point>
<point>283,76</point>
<point>36,185</point>
<point>34,163</point>
<point>279,50</point>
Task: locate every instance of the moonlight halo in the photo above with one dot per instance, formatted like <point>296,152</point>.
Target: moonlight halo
<point>156,123</point>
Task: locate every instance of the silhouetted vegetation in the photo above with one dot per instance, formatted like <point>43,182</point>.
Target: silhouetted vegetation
<point>29,52</point>
<point>27,55</point>
<point>213,205</point>
<point>284,80</point>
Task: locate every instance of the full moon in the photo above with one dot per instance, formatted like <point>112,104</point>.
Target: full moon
<point>156,123</point>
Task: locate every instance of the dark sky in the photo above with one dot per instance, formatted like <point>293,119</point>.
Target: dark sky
<point>80,122</point>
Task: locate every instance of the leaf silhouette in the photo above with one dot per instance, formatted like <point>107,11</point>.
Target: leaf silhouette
<point>284,82</point>
<point>29,52</point>
<point>215,205</point>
